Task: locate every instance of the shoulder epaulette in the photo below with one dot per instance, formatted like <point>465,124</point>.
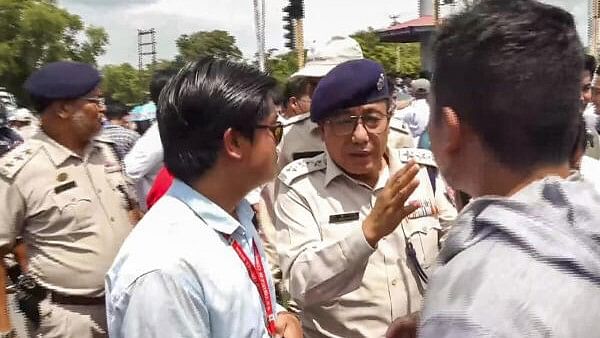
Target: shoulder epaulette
<point>302,167</point>
<point>15,160</point>
<point>421,156</point>
<point>295,119</point>
<point>399,125</point>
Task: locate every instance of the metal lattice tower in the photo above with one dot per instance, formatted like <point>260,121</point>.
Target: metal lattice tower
<point>146,46</point>
<point>594,26</point>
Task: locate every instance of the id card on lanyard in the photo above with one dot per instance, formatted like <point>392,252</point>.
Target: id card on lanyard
<point>256,272</point>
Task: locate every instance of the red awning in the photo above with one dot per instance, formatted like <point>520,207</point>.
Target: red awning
<point>410,31</point>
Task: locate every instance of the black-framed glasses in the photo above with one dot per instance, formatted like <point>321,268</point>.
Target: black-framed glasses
<point>276,130</point>
<point>99,101</point>
<point>374,123</point>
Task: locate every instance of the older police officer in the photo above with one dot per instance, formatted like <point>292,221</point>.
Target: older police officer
<point>357,227</point>
<point>64,193</point>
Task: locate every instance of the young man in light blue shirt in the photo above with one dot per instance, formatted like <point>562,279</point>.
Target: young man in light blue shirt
<point>194,266</point>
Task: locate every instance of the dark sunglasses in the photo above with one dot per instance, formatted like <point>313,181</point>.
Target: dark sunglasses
<point>276,130</point>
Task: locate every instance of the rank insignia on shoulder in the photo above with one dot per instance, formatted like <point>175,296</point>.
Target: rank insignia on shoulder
<point>427,208</point>
<point>421,156</point>
<point>65,187</point>
<point>340,218</point>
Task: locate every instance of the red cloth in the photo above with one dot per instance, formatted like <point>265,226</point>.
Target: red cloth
<point>161,184</point>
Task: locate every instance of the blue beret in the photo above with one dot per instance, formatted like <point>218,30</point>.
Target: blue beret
<point>63,80</point>
<point>350,84</point>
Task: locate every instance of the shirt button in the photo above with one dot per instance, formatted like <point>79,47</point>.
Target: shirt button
<point>394,282</point>
<point>99,191</point>
<point>112,219</point>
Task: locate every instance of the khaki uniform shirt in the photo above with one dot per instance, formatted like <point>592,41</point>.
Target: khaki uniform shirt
<point>302,139</point>
<point>71,212</point>
<point>345,287</point>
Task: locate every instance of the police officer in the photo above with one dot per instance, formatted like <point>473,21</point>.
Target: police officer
<point>63,191</point>
<point>358,226</point>
<point>301,135</point>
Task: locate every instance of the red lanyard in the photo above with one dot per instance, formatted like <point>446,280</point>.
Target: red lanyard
<point>258,277</point>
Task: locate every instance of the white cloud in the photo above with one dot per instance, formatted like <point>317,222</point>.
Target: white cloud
<point>171,18</point>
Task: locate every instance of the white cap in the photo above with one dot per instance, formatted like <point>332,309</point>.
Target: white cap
<point>22,114</point>
<point>321,60</point>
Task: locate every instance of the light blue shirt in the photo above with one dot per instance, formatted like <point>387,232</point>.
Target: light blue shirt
<point>176,276</point>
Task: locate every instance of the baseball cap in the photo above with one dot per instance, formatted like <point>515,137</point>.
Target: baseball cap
<point>420,86</point>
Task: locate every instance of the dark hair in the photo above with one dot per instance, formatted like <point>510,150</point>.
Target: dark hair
<point>508,70</point>
<point>40,103</point>
<point>200,103</point>
<point>295,87</point>
<point>142,126</point>
<point>158,82</point>
<point>115,110</point>
<point>590,64</point>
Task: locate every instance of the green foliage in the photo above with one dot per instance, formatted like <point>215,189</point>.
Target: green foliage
<point>125,83</point>
<point>216,43</point>
<point>396,58</point>
<point>282,66</point>
<point>35,32</point>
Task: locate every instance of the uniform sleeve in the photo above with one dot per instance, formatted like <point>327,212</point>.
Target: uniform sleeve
<point>12,213</point>
<point>146,154</point>
<point>317,271</point>
<point>162,306</point>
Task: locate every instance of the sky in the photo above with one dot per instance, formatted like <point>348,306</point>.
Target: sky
<point>171,18</point>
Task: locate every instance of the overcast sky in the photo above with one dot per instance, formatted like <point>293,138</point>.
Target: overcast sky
<point>171,18</point>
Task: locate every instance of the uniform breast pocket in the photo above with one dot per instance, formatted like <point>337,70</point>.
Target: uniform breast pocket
<point>74,203</point>
<point>423,234</point>
<point>338,226</point>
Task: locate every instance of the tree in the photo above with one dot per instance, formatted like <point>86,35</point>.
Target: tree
<point>396,58</point>
<point>125,83</point>
<point>281,66</point>
<point>217,43</point>
<point>35,32</point>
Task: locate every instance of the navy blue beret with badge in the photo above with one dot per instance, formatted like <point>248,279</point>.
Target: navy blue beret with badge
<point>63,80</point>
<point>350,84</point>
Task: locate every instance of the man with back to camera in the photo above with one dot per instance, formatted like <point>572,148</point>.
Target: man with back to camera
<point>210,280</point>
<point>523,259</point>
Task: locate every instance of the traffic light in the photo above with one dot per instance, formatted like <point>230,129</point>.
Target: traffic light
<point>294,11</point>
<point>290,35</point>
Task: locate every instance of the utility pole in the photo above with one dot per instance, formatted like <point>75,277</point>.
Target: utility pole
<point>294,27</point>
<point>259,22</point>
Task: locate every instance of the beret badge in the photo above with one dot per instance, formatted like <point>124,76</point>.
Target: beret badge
<point>381,82</point>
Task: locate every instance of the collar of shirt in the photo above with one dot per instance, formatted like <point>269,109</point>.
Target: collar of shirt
<point>212,214</point>
<point>333,171</point>
<point>58,153</point>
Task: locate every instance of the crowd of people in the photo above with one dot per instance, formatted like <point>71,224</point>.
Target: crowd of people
<point>345,204</point>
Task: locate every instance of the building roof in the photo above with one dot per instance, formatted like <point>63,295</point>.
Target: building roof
<point>410,31</point>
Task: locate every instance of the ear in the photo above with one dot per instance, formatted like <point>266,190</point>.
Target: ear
<point>64,109</point>
<point>454,129</point>
<point>232,144</point>
<point>293,102</point>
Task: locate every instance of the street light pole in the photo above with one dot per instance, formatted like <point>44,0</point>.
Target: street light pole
<point>260,33</point>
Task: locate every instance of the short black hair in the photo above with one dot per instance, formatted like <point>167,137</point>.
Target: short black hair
<point>115,110</point>
<point>508,69</point>
<point>590,64</point>
<point>295,87</point>
<point>158,82</point>
<point>200,103</point>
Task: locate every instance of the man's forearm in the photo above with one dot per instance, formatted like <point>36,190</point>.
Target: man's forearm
<point>4,317</point>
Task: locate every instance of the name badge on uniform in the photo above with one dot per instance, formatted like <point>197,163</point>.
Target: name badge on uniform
<point>65,187</point>
<point>340,218</point>
<point>427,209</point>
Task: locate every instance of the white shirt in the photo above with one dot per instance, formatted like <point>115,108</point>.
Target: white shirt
<point>590,170</point>
<point>144,161</point>
<point>176,275</point>
<point>416,115</point>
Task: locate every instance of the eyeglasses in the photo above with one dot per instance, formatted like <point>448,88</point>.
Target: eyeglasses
<point>276,130</point>
<point>99,101</point>
<point>374,123</point>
